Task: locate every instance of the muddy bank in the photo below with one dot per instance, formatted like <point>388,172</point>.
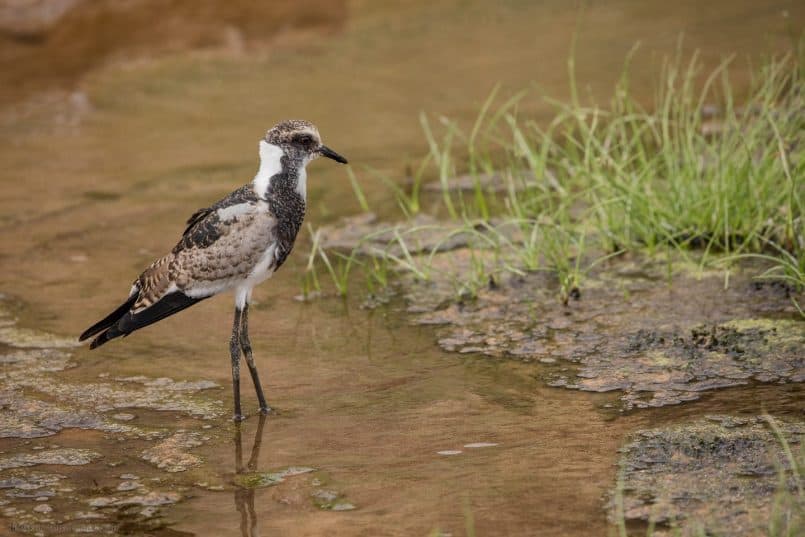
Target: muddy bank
<point>720,475</point>
<point>366,234</point>
<point>661,330</point>
<point>628,330</point>
<point>55,42</point>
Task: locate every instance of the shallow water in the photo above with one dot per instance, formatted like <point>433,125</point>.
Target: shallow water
<point>98,182</point>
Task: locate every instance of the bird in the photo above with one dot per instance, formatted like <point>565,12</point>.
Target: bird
<point>233,245</point>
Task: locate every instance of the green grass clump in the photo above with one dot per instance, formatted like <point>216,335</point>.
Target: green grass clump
<point>699,169</point>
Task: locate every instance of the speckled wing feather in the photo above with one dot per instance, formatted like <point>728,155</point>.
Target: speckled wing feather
<point>220,247</point>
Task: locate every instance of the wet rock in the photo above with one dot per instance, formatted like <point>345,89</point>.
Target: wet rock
<point>368,236</point>
<point>28,338</point>
<point>714,476</point>
<point>102,501</point>
<point>171,454</point>
<point>670,368</point>
<point>38,495</point>
<point>269,479</point>
<point>148,499</point>
<point>126,486</point>
<point>331,500</point>
<point>33,361</point>
<point>30,481</point>
<point>166,383</point>
<point>22,417</point>
<point>325,495</point>
<point>86,515</point>
<point>65,456</point>
<point>27,367</point>
<point>162,394</point>
<point>151,499</point>
<point>149,511</point>
<point>658,345</point>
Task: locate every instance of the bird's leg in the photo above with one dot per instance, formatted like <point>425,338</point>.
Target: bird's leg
<point>234,353</point>
<point>246,347</point>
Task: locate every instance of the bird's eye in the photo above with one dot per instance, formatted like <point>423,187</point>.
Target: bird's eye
<point>303,139</point>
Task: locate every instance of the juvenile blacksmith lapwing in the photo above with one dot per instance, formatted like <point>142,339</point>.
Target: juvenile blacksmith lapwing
<point>233,245</point>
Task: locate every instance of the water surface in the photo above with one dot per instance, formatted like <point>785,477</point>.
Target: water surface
<point>97,181</point>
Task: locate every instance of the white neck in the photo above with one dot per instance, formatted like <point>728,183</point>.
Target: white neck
<point>270,165</point>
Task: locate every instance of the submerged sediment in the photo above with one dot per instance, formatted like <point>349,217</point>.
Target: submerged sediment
<point>39,404</point>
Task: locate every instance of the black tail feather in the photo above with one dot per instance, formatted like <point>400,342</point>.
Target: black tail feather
<point>128,322</point>
<point>105,336</point>
<point>110,319</point>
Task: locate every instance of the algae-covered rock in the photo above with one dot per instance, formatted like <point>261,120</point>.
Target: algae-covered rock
<point>30,338</point>
<point>23,417</point>
<point>268,479</point>
<point>331,500</point>
<point>113,395</point>
<point>171,454</point>
<point>658,344</point>
<point>714,476</point>
<point>656,368</point>
<point>63,456</point>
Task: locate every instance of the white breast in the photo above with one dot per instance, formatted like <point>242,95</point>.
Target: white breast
<point>261,272</point>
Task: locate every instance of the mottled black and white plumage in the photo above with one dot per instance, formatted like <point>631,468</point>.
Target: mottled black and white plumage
<point>233,245</point>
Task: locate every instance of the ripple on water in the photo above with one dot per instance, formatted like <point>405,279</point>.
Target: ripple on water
<point>476,445</point>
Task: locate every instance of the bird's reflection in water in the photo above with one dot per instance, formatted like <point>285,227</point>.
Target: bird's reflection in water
<point>244,496</point>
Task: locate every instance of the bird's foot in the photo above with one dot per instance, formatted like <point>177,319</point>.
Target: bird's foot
<point>238,417</point>
<point>265,409</point>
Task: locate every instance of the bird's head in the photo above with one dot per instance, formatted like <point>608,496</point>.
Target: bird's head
<point>300,140</point>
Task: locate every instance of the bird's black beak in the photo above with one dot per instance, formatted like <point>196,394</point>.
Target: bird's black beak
<point>329,153</point>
